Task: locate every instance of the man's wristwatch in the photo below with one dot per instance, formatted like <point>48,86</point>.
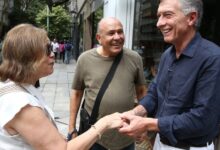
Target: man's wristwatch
<point>69,135</point>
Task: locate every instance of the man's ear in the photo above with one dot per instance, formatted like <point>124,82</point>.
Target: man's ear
<point>98,38</point>
<point>193,16</point>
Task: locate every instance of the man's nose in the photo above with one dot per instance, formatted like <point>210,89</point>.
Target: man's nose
<point>160,22</point>
<point>117,36</point>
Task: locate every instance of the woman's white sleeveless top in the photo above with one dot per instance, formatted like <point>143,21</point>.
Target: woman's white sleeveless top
<point>10,104</point>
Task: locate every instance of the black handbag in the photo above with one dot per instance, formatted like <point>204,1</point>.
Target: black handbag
<point>85,119</point>
<point>84,123</point>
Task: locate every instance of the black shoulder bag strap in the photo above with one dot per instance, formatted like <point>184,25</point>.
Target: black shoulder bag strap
<point>103,88</point>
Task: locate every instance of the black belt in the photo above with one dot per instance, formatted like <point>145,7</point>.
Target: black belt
<point>183,145</point>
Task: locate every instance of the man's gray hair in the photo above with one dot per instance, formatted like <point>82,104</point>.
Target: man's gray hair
<point>189,6</point>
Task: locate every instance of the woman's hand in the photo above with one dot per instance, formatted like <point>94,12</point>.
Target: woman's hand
<point>112,121</point>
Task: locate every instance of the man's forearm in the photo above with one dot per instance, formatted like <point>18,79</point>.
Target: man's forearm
<point>72,122</point>
<point>74,107</point>
<point>72,119</point>
<point>139,111</point>
<point>152,124</point>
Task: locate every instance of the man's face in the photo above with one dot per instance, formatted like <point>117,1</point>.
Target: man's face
<point>172,22</point>
<point>111,36</point>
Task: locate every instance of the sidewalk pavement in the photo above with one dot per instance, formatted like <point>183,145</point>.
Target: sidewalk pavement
<point>56,91</point>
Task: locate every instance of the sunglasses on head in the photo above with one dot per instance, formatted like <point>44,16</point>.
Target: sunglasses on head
<point>49,49</point>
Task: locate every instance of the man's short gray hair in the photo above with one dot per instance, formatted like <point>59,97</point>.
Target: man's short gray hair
<point>189,6</point>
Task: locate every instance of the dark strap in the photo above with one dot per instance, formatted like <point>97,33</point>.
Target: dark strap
<point>103,88</point>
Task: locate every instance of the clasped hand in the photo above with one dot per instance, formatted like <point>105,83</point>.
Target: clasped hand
<point>129,124</point>
<point>136,126</point>
<point>132,125</point>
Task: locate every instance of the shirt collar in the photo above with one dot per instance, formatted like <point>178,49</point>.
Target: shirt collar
<point>191,48</point>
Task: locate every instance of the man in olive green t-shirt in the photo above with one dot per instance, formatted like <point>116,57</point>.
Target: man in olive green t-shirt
<point>127,84</point>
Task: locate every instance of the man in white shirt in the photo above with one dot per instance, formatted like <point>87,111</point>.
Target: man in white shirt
<point>55,47</point>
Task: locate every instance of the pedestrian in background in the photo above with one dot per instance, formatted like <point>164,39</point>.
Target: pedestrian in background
<point>127,83</point>
<point>26,121</point>
<point>62,51</point>
<point>68,49</point>
<point>55,47</point>
<point>184,97</point>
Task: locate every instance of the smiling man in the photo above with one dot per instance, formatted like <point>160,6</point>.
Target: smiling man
<point>184,98</point>
<point>127,83</point>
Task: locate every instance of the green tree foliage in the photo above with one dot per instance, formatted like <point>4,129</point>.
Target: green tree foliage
<point>35,12</point>
<point>3,13</point>
<point>59,22</point>
<point>25,11</point>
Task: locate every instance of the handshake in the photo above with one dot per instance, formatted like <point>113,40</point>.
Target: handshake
<point>131,123</point>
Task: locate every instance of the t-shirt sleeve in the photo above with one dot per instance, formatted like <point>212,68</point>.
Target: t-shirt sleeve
<point>78,79</point>
<point>140,80</point>
<point>12,103</point>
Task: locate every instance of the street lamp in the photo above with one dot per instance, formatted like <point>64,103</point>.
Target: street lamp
<point>48,19</point>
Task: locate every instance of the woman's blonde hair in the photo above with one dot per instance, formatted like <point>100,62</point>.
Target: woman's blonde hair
<point>23,47</point>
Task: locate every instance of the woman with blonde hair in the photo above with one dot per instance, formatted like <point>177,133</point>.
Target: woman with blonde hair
<point>26,122</point>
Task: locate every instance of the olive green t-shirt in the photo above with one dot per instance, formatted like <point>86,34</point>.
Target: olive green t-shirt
<point>91,70</point>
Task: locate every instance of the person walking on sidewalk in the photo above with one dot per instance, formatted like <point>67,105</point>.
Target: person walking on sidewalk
<point>26,121</point>
<point>55,47</point>
<point>128,81</point>
<point>62,51</point>
<point>68,49</point>
<point>184,98</point>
